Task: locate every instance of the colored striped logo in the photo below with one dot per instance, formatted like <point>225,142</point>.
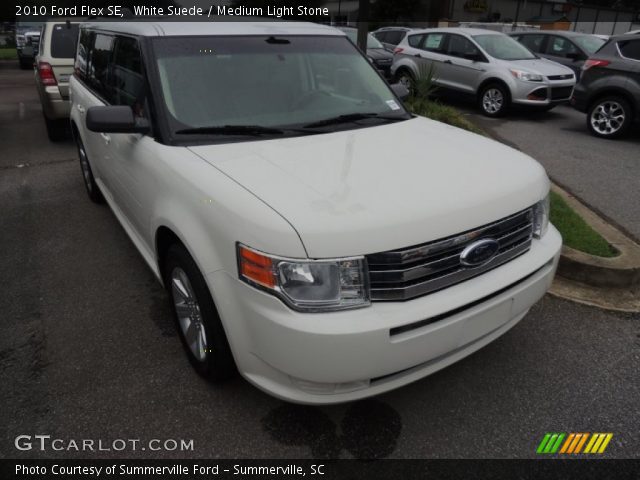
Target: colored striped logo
<point>573,443</point>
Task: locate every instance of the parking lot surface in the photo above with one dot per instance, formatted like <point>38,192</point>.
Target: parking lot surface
<point>603,173</point>
<point>88,349</point>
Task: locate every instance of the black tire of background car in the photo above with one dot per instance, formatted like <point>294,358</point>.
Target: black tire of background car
<point>218,364</point>
<point>506,104</point>
<point>56,129</point>
<point>93,191</point>
<point>628,117</point>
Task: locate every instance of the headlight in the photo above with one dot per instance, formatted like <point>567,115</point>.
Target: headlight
<point>541,217</point>
<point>307,285</point>
<point>526,76</point>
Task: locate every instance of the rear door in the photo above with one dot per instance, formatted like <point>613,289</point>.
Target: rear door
<point>62,51</point>
<point>432,55</point>
<point>462,70</point>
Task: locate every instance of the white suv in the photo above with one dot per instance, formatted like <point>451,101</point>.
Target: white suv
<point>309,230</point>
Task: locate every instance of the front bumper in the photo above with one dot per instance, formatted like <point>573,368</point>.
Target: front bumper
<point>579,99</point>
<point>344,356</point>
<point>533,93</point>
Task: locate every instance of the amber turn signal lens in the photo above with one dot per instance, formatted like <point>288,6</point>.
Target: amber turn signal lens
<point>256,267</point>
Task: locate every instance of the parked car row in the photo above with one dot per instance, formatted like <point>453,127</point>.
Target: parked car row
<point>538,69</point>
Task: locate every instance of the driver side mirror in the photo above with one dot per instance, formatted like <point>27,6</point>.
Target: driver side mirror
<point>400,90</point>
<point>115,119</point>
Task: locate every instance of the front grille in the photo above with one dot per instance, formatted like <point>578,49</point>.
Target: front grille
<point>412,272</point>
<point>568,76</point>
<point>561,93</point>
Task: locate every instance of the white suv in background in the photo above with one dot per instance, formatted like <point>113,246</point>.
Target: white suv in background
<point>489,66</point>
<point>308,229</point>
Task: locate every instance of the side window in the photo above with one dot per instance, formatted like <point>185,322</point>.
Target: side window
<point>532,42</point>
<point>63,40</point>
<point>434,42</point>
<point>98,68</point>
<point>394,37</point>
<point>127,78</point>
<point>381,36</point>
<point>461,47</point>
<point>630,49</point>
<point>415,40</point>
<point>85,45</point>
<point>561,47</point>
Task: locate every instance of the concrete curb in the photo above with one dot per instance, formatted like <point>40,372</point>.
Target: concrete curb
<point>622,271</point>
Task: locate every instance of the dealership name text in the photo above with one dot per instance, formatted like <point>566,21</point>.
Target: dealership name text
<point>45,442</point>
<point>172,470</point>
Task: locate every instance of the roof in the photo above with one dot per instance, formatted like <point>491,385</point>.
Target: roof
<point>461,30</point>
<point>561,18</point>
<point>151,28</point>
<point>560,33</point>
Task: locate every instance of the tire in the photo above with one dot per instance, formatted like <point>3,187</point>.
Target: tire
<point>406,78</point>
<point>25,64</point>
<point>95,195</point>
<point>609,117</point>
<point>56,129</point>
<point>197,320</point>
<point>494,100</point>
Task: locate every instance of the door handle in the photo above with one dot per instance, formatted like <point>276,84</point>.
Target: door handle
<point>448,62</point>
<point>80,109</point>
<point>106,138</point>
<point>418,55</point>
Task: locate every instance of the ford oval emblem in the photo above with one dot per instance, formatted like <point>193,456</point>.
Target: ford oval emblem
<point>479,253</point>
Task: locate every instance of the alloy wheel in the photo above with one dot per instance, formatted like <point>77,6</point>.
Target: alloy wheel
<point>188,313</point>
<point>492,100</point>
<point>608,117</point>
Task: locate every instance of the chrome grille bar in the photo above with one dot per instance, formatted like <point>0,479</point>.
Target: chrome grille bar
<point>404,274</point>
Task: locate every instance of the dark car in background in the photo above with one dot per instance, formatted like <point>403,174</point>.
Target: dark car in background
<point>27,42</point>
<point>609,90</point>
<point>570,49</point>
<point>390,37</point>
<point>381,58</point>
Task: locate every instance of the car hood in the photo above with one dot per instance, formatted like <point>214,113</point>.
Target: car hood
<point>374,189</point>
<point>541,66</point>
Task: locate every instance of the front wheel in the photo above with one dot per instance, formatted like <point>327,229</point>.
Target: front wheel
<point>609,117</point>
<point>404,77</point>
<point>494,100</point>
<point>197,319</point>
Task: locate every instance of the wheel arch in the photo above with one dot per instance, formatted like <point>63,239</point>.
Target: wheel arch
<point>614,91</point>
<point>489,81</point>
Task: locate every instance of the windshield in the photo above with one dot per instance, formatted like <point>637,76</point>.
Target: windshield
<point>267,81</point>
<point>372,42</point>
<point>589,43</point>
<point>503,47</point>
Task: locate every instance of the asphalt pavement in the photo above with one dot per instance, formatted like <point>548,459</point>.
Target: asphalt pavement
<point>88,349</point>
<point>605,174</point>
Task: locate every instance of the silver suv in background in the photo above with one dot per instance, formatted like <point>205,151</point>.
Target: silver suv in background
<point>490,66</point>
<point>54,66</point>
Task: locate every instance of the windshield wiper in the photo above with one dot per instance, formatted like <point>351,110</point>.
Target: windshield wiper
<point>251,130</point>
<point>351,117</point>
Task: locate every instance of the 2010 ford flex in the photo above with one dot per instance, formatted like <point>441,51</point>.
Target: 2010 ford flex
<point>310,231</point>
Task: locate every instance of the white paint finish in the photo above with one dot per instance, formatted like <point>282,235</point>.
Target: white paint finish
<point>374,189</point>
